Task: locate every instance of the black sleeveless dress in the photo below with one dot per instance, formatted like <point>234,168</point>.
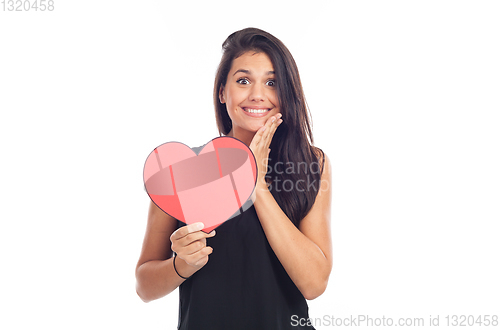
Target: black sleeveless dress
<point>243,286</point>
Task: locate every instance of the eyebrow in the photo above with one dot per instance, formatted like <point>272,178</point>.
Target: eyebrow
<point>248,72</point>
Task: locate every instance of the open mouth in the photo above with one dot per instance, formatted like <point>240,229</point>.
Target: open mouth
<point>257,111</point>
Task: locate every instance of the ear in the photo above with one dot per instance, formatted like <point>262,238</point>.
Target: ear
<point>222,99</point>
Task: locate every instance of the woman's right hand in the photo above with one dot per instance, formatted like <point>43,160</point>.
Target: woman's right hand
<point>190,245</point>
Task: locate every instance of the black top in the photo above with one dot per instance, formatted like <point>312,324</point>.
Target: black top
<point>243,285</point>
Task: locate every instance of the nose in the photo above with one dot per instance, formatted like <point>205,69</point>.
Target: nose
<point>257,93</point>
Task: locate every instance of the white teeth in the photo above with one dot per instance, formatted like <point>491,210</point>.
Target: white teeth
<point>256,110</point>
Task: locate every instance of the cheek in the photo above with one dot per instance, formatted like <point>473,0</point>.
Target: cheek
<point>232,113</point>
<point>234,97</point>
<point>231,108</point>
<point>273,98</point>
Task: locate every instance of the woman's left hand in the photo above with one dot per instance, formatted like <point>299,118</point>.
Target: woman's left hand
<point>260,146</point>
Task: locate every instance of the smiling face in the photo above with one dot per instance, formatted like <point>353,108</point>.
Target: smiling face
<point>250,92</point>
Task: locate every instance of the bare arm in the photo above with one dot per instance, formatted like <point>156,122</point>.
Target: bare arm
<point>155,272</point>
<point>304,252</point>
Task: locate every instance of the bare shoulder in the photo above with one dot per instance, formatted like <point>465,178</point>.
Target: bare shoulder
<point>323,160</point>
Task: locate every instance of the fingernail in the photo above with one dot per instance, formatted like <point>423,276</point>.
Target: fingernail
<point>213,232</point>
<point>272,120</point>
<point>264,128</point>
<point>200,225</point>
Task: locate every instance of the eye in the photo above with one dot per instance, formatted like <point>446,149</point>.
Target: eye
<point>271,83</point>
<point>243,81</point>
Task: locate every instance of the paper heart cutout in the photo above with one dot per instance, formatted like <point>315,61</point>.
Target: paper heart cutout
<point>210,187</point>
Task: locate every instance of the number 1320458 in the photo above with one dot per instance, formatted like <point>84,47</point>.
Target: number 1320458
<point>27,5</point>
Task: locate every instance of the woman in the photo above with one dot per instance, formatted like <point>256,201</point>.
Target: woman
<point>261,266</point>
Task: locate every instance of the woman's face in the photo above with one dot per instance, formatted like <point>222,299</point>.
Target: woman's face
<point>250,91</point>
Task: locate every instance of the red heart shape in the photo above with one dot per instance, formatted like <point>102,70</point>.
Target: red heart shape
<point>210,187</point>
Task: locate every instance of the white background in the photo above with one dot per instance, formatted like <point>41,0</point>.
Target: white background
<point>405,101</point>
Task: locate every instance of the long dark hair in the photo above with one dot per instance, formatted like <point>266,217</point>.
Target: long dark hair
<point>293,161</point>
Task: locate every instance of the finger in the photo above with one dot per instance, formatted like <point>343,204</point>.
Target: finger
<point>192,248</point>
<point>268,134</point>
<point>196,257</point>
<point>274,128</point>
<point>258,136</point>
<point>202,261</point>
<point>183,231</point>
<point>192,237</point>
<point>276,117</point>
<point>205,251</point>
<point>274,121</point>
<point>195,227</point>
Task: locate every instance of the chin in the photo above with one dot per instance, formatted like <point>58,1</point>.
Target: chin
<point>255,127</point>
